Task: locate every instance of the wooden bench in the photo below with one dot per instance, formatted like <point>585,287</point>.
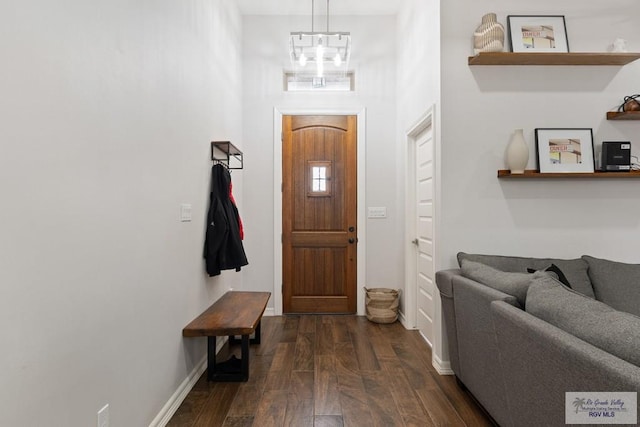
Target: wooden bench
<point>235,313</point>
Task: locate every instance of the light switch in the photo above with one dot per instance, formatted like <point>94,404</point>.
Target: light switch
<point>185,212</point>
<point>376,212</point>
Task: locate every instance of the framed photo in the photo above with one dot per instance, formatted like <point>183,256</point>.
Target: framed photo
<point>565,150</point>
<point>544,33</point>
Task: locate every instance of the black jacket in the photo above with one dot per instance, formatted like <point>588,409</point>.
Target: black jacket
<point>223,248</point>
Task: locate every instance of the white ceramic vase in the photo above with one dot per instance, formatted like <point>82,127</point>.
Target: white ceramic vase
<point>517,152</point>
<point>489,36</point>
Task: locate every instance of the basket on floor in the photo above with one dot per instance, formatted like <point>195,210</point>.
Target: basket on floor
<point>381,305</point>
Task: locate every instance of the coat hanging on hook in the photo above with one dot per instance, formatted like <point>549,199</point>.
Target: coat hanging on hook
<point>223,249</point>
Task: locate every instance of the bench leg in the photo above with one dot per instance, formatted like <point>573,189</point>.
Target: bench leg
<point>211,358</point>
<point>233,369</point>
<point>245,357</point>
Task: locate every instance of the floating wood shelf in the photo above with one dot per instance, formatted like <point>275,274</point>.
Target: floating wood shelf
<point>224,151</point>
<point>543,58</point>
<point>533,174</point>
<point>624,115</point>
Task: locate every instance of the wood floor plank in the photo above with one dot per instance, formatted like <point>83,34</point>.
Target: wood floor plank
<point>384,411</point>
<point>355,404</point>
<point>217,405</point>
<point>189,409</point>
<point>326,396</point>
<point>271,409</point>
<point>279,375</point>
<point>305,352</point>
<point>299,412</point>
<point>246,402</point>
<point>307,325</point>
<point>324,337</point>
<point>363,350</point>
<point>366,374</point>
<point>440,410</point>
<point>301,384</point>
<point>328,421</point>
<point>340,330</point>
<point>409,405</point>
<point>238,422</point>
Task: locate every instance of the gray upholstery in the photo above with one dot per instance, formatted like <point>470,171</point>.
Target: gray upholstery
<point>477,346</point>
<point>444,281</point>
<point>541,363</point>
<point>615,283</point>
<point>594,322</point>
<point>519,366</point>
<point>515,284</point>
<point>574,269</point>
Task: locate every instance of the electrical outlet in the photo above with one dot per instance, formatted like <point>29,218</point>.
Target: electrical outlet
<point>103,416</point>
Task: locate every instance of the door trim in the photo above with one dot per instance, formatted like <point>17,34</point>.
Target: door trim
<point>277,196</point>
<point>411,268</point>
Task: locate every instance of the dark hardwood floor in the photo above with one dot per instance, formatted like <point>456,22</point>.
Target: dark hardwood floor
<point>333,371</point>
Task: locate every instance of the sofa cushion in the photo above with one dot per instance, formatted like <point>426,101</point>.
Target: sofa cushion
<point>600,325</point>
<point>514,284</point>
<point>557,274</point>
<point>615,283</point>
<point>575,270</point>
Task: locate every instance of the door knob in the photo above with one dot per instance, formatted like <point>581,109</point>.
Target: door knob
<point>416,242</point>
<point>352,229</point>
<point>352,240</point>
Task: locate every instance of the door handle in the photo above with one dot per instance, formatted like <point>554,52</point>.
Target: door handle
<point>352,240</point>
<point>352,229</point>
<point>416,242</point>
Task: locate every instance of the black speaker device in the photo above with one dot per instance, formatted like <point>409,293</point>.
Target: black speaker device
<point>616,156</point>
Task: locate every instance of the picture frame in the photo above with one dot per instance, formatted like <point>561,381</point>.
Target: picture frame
<point>565,150</point>
<point>537,33</point>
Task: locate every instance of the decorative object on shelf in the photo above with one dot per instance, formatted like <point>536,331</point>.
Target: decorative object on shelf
<point>226,154</point>
<point>329,51</point>
<point>565,150</point>
<point>619,45</point>
<point>630,103</point>
<point>489,36</point>
<point>517,152</point>
<point>544,33</point>
<point>615,156</point>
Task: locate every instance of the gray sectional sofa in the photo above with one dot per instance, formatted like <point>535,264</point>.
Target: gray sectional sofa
<point>519,338</point>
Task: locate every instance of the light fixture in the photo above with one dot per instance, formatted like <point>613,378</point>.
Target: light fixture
<point>329,51</point>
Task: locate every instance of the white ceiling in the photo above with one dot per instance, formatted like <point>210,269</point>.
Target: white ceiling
<point>303,7</point>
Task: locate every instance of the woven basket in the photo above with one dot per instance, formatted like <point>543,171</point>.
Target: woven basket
<point>381,305</point>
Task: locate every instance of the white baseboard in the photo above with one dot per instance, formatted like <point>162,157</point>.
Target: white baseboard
<point>443,368</point>
<point>269,312</point>
<point>174,402</point>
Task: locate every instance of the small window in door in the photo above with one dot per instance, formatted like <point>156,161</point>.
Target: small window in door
<point>319,173</point>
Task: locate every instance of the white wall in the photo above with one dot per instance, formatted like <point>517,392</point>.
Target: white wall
<point>265,57</point>
<point>107,111</point>
<point>418,88</point>
<point>482,105</point>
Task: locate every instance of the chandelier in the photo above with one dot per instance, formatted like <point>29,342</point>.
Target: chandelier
<point>320,53</point>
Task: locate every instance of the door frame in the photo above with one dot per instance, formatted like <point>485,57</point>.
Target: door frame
<point>277,197</point>
<point>411,263</point>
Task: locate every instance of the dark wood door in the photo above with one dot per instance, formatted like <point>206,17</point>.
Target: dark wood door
<point>319,213</point>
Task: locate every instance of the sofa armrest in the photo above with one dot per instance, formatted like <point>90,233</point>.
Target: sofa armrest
<point>542,362</point>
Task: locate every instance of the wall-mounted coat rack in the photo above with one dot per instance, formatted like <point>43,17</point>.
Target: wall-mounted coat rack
<point>227,154</point>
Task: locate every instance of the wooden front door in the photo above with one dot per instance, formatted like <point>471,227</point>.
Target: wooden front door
<point>319,230</point>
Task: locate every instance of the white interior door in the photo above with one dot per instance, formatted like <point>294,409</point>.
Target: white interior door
<point>424,244</point>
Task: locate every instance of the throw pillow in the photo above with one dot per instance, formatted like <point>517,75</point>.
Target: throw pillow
<point>613,331</point>
<point>556,271</point>
<point>574,269</point>
<point>515,284</point>
<point>615,283</point>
